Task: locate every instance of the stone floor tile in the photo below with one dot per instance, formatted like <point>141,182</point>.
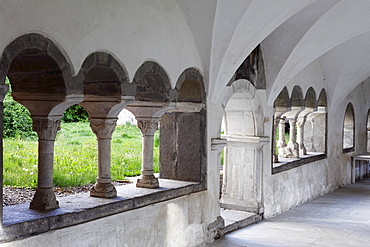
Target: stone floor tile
<point>341,218</point>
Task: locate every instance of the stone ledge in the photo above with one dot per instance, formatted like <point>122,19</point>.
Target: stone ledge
<point>19,221</point>
<point>290,163</point>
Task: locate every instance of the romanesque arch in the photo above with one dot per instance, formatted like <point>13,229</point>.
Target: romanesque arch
<point>153,98</point>
<point>153,83</point>
<point>106,92</point>
<point>41,80</point>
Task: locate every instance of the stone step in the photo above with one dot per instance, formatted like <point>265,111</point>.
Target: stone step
<point>237,219</point>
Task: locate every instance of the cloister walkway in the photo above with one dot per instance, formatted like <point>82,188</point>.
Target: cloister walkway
<point>340,218</point>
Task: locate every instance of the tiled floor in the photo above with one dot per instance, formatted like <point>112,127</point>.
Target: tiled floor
<point>340,218</point>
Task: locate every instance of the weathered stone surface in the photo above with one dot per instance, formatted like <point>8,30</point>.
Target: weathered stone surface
<point>152,83</point>
<point>147,181</point>
<point>182,142</point>
<point>20,222</point>
<point>44,199</point>
<point>103,190</point>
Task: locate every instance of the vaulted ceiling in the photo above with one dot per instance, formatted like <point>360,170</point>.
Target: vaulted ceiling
<point>293,35</point>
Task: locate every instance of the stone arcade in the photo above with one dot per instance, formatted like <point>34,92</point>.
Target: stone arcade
<point>212,76</point>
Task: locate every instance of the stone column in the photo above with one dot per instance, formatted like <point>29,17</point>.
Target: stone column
<point>3,90</point>
<point>148,128</point>
<point>281,142</point>
<point>46,128</point>
<point>293,145</point>
<point>275,157</point>
<point>300,134</point>
<point>103,129</point>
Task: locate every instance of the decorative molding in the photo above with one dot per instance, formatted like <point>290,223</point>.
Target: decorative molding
<point>103,128</point>
<point>46,128</point>
<point>147,127</point>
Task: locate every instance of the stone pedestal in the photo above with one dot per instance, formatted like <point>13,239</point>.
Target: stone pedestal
<point>103,129</point>
<point>46,128</point>
<point>242,188</point>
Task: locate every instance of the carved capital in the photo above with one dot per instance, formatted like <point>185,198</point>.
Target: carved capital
<point>103,128</point>
<point>46,129</point>
<point>147,127</point>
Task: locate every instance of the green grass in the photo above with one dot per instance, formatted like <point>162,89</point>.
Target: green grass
<point>75,156</point>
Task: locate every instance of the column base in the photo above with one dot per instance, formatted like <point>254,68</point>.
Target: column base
<point>44,199</point>
<point>103,190</point>
<point>147,181</point>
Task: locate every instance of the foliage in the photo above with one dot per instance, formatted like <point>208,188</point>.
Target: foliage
<point>17,122</point>
<point>75,158</point>
<point>75,114</point>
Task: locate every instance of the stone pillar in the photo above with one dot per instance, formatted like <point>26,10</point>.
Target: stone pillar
<point>103,128</point>
<point>300,134</point>
<point>148,128</point>
<point>3,90</point>
<point>293,145</point>
<point>281,146</point>
<point>244,174</point>
<point>46,128</point>
<point>275,157</point>
<point>218,144</point>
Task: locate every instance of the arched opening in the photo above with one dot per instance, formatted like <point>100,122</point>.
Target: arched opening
<point>40,79</point>
<point>75,151</point>
<point>349,129</point>
<point>287,144</point>
<point>306,121</point>
<point>152,100</point>
<point>310,106</point>
<point>315,129</point>
<point>243,128</point>
<point>280,131</point>
<point>103,82</point>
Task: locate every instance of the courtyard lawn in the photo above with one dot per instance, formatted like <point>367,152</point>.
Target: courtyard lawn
<point>75,156</point>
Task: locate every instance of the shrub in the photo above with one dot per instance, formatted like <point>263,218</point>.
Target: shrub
<point>17,122</point>
<point>75,114</point>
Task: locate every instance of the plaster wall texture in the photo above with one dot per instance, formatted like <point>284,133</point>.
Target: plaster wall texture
<point>179,222</point>
<point>311,76</point>
<point>113,26</point>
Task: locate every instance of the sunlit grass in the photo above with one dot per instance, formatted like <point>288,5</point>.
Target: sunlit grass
<point>75,156</point>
